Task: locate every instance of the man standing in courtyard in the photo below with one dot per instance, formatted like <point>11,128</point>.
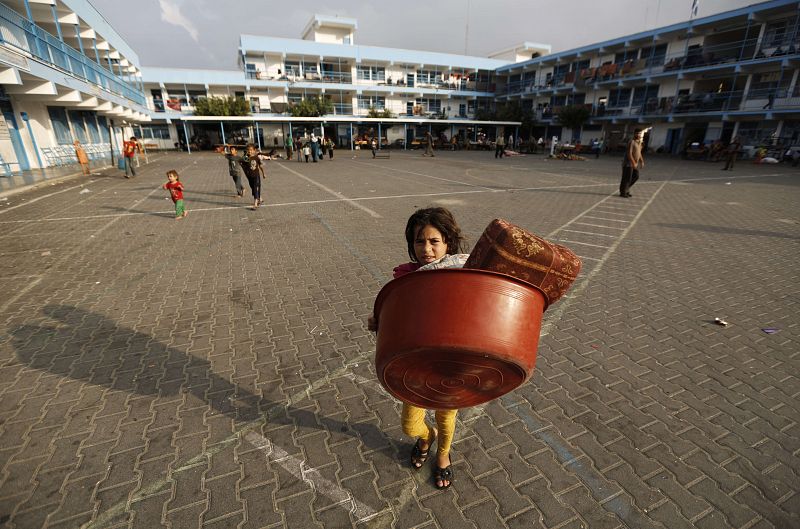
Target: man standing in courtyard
<point>428,145</point>
<point>129,149</point>
<point>731,153</point>
<point>499,146</point>
<point>631,164</point>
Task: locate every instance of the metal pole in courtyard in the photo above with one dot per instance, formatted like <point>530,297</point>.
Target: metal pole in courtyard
<point>186,135</point>
<point>222,128</point>
<point>352,143</point>
<point>405,136</point>
<point>258,135</point>
<point>380,136</point>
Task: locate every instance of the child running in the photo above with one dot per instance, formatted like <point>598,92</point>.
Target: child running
<point>83,159</point>
<point>175,188</point>
<point>234,159</point>
<point>254,171</point>
<point>433,240</point>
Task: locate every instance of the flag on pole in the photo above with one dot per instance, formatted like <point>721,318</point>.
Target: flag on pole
<point>695,8</point>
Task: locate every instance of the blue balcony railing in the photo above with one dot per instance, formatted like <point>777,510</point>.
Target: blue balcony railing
<point>19,33</point>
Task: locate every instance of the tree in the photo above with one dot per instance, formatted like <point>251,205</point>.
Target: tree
<point>574,117</point>
<point>509,111</point>
<point>221,106</point>
<point>312,107</point>
<point>376,113</point>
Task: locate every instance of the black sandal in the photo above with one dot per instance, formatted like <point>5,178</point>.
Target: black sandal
<point>418,455</point>
<point>443,474</point>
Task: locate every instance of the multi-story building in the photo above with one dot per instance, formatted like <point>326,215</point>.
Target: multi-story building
<point>66,74</point>
<point>734,73</point>
<point>415,91</point>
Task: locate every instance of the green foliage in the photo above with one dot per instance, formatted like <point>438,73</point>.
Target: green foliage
<point>375,113</point>
<point>221,106</point>
<point>574,116</point>
<point>509,111</point>
<point>312,107</point>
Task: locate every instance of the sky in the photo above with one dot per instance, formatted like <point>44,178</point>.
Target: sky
<point>205,33</point>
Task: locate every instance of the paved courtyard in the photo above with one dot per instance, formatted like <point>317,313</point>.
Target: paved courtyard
<point>217,371</point>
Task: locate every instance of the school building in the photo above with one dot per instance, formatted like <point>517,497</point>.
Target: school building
<point>66,75</point>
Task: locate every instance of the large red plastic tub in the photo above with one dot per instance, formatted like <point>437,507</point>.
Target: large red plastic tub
<point>455,338</point>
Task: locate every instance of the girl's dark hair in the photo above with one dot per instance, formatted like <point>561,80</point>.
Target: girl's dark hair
<point>173,172</point>
<point>441,219</point>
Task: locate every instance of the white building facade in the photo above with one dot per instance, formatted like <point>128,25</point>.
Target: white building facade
<point>66,75</point>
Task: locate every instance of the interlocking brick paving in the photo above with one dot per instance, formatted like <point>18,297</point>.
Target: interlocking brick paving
<point>217,371</point>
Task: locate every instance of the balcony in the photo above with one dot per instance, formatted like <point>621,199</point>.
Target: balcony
<point>704,104</point>
<point>20,34</point>
<point>720,56</point>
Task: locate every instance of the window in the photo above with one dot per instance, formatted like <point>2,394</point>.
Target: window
<point>78,127</point>
<point>58,118</point>
<point>619,98</point>
<point>643,94</point>
<point>410,108</point>
<point>194,95</point>
<point>432,106</point>
<point>104,133</point>
<point>291,68</point>
<point>155,132</point>
<point>371,73</point>
<point>91,124</point>
<point>180,97</point>
<point>250,69</point>
<point>365,102</point>
<point>621,57</point>
<point>654,55</point>
<point>428,76</point>
<point>295,98</point>
<point>462,110</point>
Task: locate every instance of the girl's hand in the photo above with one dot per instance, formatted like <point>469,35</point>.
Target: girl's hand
<point>372,324</point>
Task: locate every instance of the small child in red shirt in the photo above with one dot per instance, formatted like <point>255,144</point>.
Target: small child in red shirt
<point>175,188</point>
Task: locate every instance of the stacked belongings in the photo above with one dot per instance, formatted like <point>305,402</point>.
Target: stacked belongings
<point>475,337</point>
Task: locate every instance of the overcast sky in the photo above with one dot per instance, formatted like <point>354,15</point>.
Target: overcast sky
<point>205,33</point>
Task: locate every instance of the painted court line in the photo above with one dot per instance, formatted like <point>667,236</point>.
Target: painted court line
<point>425,175</point>
<point>591,233</point>
<point>103,518</point>
<point>603,218</point>
<point>581,243</point>
<point>599,226</point>
<point>555,315</point>
<point>311,476</point>
<point>331,191</point>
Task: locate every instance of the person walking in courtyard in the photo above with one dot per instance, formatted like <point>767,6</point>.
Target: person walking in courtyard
<point>175,188</point>
<point>329,145</point>
<point>731,153</point>
<point>129,149</point>
<point>432,235</point>
<point>428,145</point>
<point>306,151</point>
<point>631,164</point>
<point>254,171</point>
<point>500,147</point>
<point>83,159</point>
<point>234,161</point>
<point>374,146</point>
<point>289,144</point>
<point>314,147</point>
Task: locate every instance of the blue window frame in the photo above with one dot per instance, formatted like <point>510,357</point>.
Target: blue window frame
<point>58,118</point>
<point>78,126</point>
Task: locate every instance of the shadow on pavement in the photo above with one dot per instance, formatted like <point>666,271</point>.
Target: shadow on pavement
<point>94,349</point>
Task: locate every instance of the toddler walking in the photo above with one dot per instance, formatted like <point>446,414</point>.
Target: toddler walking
<point>175,188</point>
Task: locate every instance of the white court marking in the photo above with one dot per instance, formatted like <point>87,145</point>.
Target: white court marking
<point>599,226</point>
<point>603,218</point>
<point>384,168</point>
<point>332,192</point>
<point>311,476</point>
<point>592,233</point>
<point>581,243</point>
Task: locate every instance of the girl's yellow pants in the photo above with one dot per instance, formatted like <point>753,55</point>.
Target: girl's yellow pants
<point>414,425</point>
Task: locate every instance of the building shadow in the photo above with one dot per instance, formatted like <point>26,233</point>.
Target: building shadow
<point>92,348</point>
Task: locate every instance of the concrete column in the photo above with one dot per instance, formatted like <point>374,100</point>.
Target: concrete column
<point>792,84</point>
<point>746,91</point>
<point>80,40</point>
<point>186,135</point>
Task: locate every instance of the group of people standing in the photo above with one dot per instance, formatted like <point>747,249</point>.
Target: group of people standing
<point>314,147</point>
